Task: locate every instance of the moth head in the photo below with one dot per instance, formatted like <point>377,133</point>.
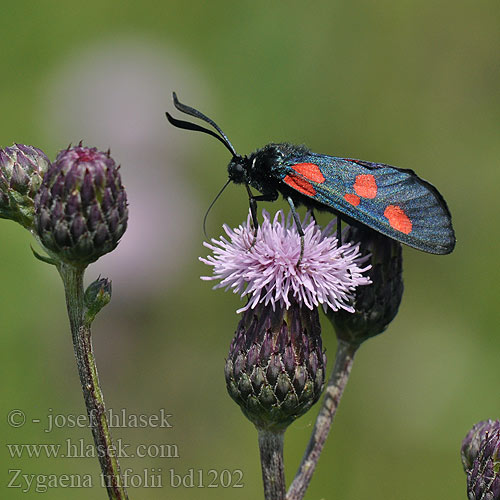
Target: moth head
<point>237,169</point>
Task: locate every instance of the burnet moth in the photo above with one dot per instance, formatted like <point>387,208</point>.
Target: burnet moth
<point>390,200</point>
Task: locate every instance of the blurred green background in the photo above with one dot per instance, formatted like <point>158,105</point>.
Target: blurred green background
<point>413,84</point>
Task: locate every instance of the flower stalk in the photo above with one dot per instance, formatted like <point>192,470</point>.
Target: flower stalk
<point>76,208</point>
<point>276,364</point>
<point>333,392</point>
<point>271,459</point>
<point>72,278</point>
<point>374,307</point>
<point>80,214</point>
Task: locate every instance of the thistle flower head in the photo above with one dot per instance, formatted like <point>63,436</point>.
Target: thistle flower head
<point>264,268</point>
<point>21,171</point>
<point>81,206</point>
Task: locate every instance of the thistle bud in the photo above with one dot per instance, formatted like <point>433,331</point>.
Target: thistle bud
<point>474,439</point>
<point>21,171</point>
<point>375,305</point>
<point>276,366</point>
<point>481,459</point>
<point>81,207</point>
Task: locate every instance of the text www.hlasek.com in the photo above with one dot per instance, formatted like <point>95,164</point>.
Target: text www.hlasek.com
<point>80,449</point>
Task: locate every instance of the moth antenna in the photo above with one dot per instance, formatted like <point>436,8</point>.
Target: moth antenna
<point>210,207</point>
<point>198,114</point>
<point>198,128</point>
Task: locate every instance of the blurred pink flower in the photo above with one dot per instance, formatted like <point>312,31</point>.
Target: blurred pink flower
<point>113,94</point>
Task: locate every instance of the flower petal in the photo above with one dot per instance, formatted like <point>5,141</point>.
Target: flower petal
<point>265,269</point>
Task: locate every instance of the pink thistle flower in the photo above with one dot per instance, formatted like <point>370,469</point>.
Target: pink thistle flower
<point>266,271</point>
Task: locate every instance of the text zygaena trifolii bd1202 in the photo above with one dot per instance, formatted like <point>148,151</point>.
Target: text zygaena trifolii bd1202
<point>393,201</point>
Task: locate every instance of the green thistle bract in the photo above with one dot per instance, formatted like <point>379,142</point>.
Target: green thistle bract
<point>21,171</point>
<point>97,295</point>
<point>81,207</point>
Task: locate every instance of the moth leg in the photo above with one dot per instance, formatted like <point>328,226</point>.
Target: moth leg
<point>299,228</point>
<point>313,216</point>
<point>271,196</point>
<point>339,231</point>
<point>253,211</point>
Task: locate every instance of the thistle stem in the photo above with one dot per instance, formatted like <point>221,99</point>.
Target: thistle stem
<point>333,392</point>
<point>271,458</point>
<point>73,286</point>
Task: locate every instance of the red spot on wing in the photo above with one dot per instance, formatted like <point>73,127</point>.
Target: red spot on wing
<point>398,219</point>
<point>310,171</point>
<point>300,184</point>
<point>365,186</point>
<point>353,199</point>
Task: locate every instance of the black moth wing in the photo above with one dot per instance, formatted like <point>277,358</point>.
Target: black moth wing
<point>390,200</point>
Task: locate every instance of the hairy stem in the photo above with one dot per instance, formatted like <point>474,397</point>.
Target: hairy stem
<point>333,393</point>
<point>271,458</point>
<point>80,330</point>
